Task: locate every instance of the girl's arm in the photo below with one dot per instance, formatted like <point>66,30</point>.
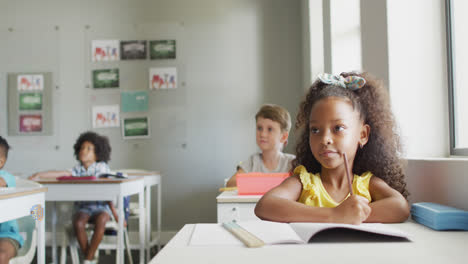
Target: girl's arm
<point>280,205</point>
<point>388,205</point>
<point>232,181</point>
<point>49,174</point>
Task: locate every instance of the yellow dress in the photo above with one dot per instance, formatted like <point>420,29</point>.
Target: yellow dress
<point>314,193</point>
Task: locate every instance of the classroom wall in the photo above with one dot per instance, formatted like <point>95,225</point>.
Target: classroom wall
<point>232,56</point>
<point>438,180</point>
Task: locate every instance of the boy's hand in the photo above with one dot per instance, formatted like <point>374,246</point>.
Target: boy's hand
<point>34,177</point>
<point>354,210</point>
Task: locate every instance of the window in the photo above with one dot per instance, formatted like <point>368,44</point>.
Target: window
<point>457,63</point>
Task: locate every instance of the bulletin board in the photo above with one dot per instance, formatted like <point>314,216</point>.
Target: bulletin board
<point>30,104</point>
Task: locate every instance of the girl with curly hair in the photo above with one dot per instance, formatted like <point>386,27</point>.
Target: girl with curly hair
<point>342,115</point>
<point>92,152</point>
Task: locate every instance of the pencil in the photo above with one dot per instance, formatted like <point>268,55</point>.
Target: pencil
<point>243,235</point>
<point>350,182</point>
<point>224,189</point>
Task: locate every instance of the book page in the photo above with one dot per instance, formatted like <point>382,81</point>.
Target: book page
<point>212,235</point>
<point>268,232</point>
<point>272,232</point>
<point>308,230</point>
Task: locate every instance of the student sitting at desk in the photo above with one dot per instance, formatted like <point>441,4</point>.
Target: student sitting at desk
<point>10,239</point>
<point>273,125</point>
<point>93,152</point>
<point>346,115</point>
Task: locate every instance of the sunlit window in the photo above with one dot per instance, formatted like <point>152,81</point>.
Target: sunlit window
<point>457,47</point>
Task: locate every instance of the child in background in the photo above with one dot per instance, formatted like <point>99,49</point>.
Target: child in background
<point>10,239</point>
<point>93,152</point>
<point>273,125</point>
<point>348,114</point>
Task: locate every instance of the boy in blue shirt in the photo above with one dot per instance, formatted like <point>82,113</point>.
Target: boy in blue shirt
<point>10,239</point>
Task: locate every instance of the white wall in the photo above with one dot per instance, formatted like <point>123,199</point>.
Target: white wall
<point>233,56</point>
<point>438,180</point>
<point>418,75</point>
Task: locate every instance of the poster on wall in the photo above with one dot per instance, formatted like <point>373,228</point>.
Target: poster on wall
<point>31,82</point>
<point>30,101</point>
<point>133,50</point>
<point>105,116</point>
<point>162,49</point>
<point>30,123</point>
<point>106,78</point>
<point>105,50</point>
<point>134,101</point>
<point>163,78</point>
<point>135,127</point>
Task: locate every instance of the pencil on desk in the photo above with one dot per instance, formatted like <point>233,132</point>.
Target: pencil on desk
<point>350,183</point>
<point>223,189</point>
<point>243,235</point>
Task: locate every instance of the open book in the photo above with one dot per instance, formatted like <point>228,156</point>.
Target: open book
<point>296,233</point>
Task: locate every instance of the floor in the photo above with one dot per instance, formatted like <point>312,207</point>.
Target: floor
<point>103,257</point>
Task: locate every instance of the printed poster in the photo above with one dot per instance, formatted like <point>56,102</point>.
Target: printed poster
<point>134,101</point>
<point>106,116</point>
<point>30,101</point>
<point>162,49</point>
<point>163,78</point>
<point>30,123</point>
<point>106,78</point>
<point>31,82</point>
<point>135,127</point>
<point>105,50</point>
<point>133,50</point>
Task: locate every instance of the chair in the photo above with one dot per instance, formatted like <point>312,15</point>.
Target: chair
<point>26,225</point>
<point>109,240</point>
<point>26,253</point>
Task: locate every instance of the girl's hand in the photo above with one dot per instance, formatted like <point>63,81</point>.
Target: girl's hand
<point>354,210</point>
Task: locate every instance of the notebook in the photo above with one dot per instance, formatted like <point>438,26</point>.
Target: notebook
<point>272,233</point>
<point>439,217</point>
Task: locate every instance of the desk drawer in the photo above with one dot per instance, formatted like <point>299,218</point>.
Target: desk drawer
<point>228,212</point>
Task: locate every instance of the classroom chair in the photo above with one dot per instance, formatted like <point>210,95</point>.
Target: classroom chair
<point>27,227</point>
<point>108,242</point>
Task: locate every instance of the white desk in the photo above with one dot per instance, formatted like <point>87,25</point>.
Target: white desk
<point>427,246</point>
<point>151,178</point>
<point>98,190</point>
<point>18,202</point>
<point>234,207</point>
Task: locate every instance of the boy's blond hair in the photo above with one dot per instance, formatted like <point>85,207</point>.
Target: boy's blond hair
<point>276,113</point>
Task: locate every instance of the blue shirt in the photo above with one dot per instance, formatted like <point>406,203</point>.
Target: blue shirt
<point>10,228</point>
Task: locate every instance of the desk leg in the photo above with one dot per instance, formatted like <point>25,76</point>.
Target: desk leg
<point>54,232</point>
<point>142,227</point>
<point>159,216</point>
<point>120,235</point>
<point>41,238</point>
<point>148,222</point>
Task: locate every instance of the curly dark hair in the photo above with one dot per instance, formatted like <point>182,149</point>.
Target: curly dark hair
<point>381,154</point>
<point>4,147</point>
<point>102,148</point>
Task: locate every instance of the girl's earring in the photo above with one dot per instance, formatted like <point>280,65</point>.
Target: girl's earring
<point>360,145</point>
